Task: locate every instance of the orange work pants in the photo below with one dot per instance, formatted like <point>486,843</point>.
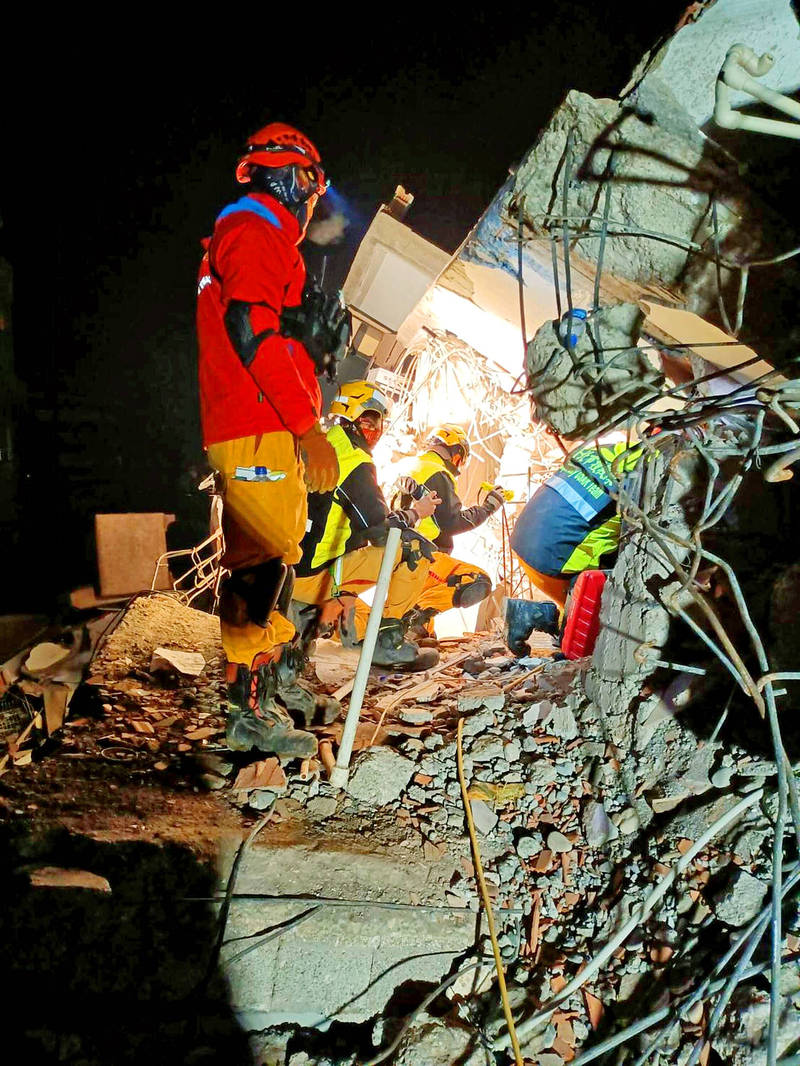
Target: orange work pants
<point>261,520</point>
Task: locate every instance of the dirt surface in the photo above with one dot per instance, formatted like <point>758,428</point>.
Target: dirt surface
<point>151,622</point>
<point>97,799</point>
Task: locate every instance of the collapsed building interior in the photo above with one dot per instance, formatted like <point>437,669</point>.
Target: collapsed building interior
<point>531,859</point>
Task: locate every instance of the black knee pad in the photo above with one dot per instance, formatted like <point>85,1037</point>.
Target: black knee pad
<point>469,593</point>
<point>260,587</point>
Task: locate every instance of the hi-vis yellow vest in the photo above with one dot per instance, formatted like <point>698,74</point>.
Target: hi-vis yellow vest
<point>338,530</point>
<point>425,466</point>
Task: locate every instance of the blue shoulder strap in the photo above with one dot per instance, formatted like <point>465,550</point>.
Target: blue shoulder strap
<point>247,203</point>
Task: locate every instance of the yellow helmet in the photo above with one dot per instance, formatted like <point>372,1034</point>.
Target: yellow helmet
<point>356,397</point>
<point>450,441</point>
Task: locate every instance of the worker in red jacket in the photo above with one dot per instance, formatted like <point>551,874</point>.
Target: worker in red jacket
<point>260,407</point>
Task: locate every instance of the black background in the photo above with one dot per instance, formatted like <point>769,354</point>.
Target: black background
<point>125,139</point>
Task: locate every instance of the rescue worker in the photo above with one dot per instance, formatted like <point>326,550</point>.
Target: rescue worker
<point>342,550</point>
<point>450,583</point>
<point>569,525</point>
<point>260,408</point>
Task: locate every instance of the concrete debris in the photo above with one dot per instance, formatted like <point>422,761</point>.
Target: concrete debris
<point>265,774</point>
<point>489,697</point>
<point>58,877</point>
<point>561,721</point>
<point>433,1041</point>
<point>561,397</point>
<point>560,803</point>
<point>174,660</point>
<point>557,842</point>
<point>741,1039</point>
<point>740,898</point>
<point>487,748</point>
<point>416,716</point>
<point>484,817</point>
<point>478,722</point>
<point>378,776</point>
<point>597,826</point>
<point>45,657</point>
<point>321,807</point>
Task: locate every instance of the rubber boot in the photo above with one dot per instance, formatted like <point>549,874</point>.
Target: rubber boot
<point>418,627</point>
<point>522,617</point>
<point>256,720</point>
<point>392,649</point>
<point>295,694</point>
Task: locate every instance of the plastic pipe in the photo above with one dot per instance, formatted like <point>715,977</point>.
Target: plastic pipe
<point>341,770</point>
<point>739,71</point>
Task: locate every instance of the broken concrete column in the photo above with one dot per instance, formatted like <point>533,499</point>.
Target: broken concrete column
<point>574,401</point>
<point>635,622</point>
<point>659,183</point>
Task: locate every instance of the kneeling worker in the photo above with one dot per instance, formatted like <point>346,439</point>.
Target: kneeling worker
<point>450,583</point>
<point>341,549</point>
<point>569,525</point>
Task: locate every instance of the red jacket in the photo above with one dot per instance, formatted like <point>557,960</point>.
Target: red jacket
<point>253,257</point>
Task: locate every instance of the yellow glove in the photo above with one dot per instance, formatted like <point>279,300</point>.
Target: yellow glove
<point>507,494</point>
<point>322,466</point>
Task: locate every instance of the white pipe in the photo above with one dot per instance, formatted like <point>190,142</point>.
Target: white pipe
<point>739,71</point>
<point>341,771</point>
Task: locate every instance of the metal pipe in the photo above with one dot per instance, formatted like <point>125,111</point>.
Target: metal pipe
<point>341,770</point>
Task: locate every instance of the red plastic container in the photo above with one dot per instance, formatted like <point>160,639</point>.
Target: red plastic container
<point>583,617</point>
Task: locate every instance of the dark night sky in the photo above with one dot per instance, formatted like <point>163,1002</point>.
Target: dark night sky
<point>128,164</point>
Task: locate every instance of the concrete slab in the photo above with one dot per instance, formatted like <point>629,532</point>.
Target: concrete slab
<point>342,962</point>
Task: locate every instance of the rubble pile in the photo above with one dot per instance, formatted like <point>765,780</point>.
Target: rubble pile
<point>578,816</point>
<point>574,835</point>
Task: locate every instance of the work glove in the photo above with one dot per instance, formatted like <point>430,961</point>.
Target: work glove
<point>494,499</point>
<point>322,466</point>
<point>407,486</point>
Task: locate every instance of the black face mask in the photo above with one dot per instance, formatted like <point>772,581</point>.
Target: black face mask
<point>288,185</point>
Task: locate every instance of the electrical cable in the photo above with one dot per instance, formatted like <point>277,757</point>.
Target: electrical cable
<point>643,911</point>
<point>390,1048</point>
<point>326,901</point>
<point>222,919</point>
<point>485,899</point>
<point>267,935</point>
<point>649,1021</point>
<point>521,281</point>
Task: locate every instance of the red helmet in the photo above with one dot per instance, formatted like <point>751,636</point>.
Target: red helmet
<point>280,145</point>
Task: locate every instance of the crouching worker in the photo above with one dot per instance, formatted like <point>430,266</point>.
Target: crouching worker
<point>450,582</point>
<point>342,551</point>
<point>260,407</point>
<point>569,525</point>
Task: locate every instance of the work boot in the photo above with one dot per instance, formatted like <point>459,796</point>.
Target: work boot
<point>392,649</point>
<point>419,628</point>
<point>295,694</point>
<point>255,718</point>
<point>522,617</point>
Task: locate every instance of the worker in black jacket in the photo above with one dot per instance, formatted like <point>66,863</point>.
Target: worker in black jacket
<point>343,545</point>
<point>449,583</point>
